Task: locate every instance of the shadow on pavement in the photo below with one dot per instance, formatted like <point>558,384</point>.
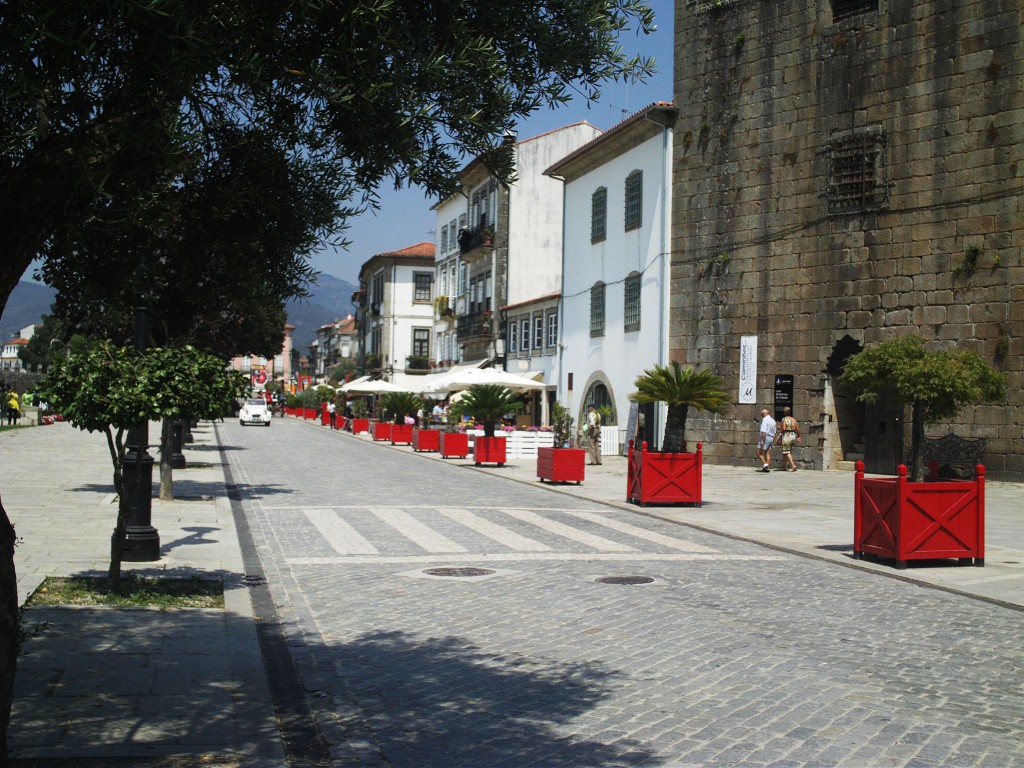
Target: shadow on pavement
<point>443,702</point>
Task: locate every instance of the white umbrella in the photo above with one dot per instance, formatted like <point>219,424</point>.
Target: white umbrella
<point>459,380</point>
<point>372,387</point>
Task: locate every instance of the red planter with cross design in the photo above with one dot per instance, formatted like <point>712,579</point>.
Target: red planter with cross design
<point>664,478</point>
<point>895,518</point>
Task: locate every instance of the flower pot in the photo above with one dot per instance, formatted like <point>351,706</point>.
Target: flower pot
<point>325,417</point>
<point>309,413</point>
<point>401,434</point>
<point>664,478</point>
<point>381,430</point>
<point>360,426</point>
<point>454,444</point>
<point>489,450</point>
<point>426,439</point>
<point>561,465</point>
<point>895,518</point>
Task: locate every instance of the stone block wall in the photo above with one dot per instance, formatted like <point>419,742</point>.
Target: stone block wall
<point>860,177</point>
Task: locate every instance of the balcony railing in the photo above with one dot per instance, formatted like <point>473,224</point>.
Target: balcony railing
<point>479,324</point>
<point>471,239</point>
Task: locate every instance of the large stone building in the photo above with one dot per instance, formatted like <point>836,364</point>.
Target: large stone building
<point>846,171</point>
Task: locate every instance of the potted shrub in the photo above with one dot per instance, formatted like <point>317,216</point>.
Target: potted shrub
<point>672,475</point>
<point>561,463</point>
<point>907,519</point>
<point>401,404</point>
<point>487,403</point>
<point>360,423</point>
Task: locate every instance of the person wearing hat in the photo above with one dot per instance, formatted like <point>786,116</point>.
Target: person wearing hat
<point>594,434</point>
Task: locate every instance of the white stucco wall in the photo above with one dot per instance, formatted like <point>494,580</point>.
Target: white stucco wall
<point>617,357</point>
<point>535,213</point>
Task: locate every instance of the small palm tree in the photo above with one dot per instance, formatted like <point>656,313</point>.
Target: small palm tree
<point>400,404</point>
<point>681,387</point>
<point>487,403</point>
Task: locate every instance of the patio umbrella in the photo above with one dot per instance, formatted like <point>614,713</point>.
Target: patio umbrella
<point>377,387</point>
<point>460,380</point>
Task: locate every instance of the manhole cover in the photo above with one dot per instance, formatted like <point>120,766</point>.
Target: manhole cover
<point>458,572</point>
<point>625,580</point>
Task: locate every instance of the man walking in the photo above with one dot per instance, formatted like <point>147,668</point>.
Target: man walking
<point>594,434</point>
<point>766,438</point>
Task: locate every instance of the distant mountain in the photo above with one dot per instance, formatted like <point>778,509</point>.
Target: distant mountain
<point>28,302</point>
<point>329,300</point>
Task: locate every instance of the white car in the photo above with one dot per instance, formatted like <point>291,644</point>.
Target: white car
<point>255,411</point>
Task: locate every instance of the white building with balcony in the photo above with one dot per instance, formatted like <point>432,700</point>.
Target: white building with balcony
<point>395,311</point>
<point>615,271</point>
<point>499,250</point>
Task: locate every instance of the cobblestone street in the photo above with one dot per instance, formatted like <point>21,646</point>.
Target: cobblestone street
<point>729,654</point>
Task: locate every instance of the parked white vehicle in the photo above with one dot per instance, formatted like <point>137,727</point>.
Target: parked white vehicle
<point>255,411</point>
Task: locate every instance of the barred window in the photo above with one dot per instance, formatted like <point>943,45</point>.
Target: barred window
<point>598,214</point>
<point>845,9</point>
<point>856,172</point>
<point>634,200</point>
<point>597,310</point>
<point>631,310</point>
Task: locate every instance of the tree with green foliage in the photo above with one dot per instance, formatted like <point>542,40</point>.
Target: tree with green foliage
<point>111,389</point>
<point>487,403</point>
<point>562,422</point>
<point>401,404</point>
<point>935,384</point>
<point>681,387</point>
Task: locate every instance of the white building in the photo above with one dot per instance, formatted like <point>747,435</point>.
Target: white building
<point>614,290</point>
<point>9,360</point>
<point>395,311</point>
<point>499,252</point>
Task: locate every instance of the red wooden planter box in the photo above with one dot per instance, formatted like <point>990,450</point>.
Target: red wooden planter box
<point>325,417</point>
<point>664,478</point>
<point>341,421</point>
<point>382,430</point>
<point>454,444</point>
<point>309,413</point>
<point>561,465</point>
<point>426,440</point>
<point>489,450</point>
<point>401,434</point>
<point>359,426</point>
<point>895,518</point>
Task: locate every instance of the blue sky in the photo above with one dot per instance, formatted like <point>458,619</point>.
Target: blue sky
<point>405,217</point>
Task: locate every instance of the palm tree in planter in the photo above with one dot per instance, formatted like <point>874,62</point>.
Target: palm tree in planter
<point>561,463</point>
<point>673,475</point>
<point>401,404</point>
<point>487,403</point>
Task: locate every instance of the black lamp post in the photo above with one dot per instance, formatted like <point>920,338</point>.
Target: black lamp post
<point>141,539</point>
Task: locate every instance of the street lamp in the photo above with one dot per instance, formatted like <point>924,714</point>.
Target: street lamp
<point>141,539</point>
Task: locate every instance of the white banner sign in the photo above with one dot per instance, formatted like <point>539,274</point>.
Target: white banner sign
<point>748,369</point>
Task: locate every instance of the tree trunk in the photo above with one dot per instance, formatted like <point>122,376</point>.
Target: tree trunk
<point>675,430</point>
<point>116,445</point>
<point>166,460</point>
<point>916,441</point>
<point>9,623</point>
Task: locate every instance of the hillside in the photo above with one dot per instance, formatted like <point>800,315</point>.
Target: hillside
<point>28,303</point>
<point>329,300</point>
